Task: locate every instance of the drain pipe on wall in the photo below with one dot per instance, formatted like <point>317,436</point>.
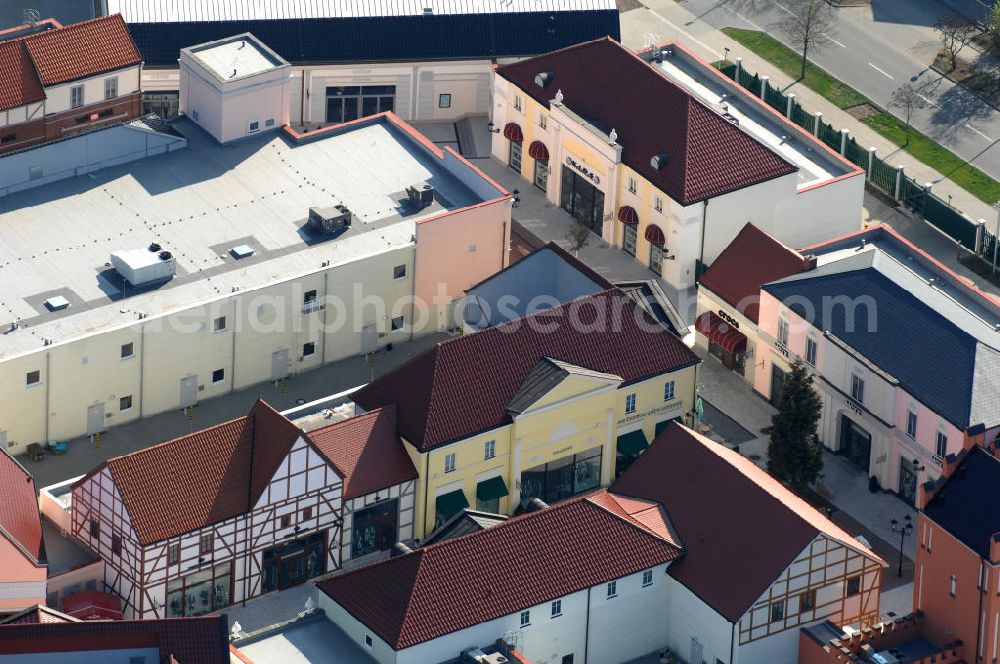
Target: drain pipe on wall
<point>586,631</point>
<point>701,251</point>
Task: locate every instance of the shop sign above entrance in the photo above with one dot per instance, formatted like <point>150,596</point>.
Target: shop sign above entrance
<point>582,168</point>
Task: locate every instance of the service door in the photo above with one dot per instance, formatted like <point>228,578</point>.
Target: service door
<point>189,391</point>
<point>369,339</point>
<point>95,419</point>
<point>279,364</point>
<point>696,651</point>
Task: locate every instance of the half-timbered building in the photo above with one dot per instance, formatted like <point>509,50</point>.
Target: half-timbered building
<point>244,508</point>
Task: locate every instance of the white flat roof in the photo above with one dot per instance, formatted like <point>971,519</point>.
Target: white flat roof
<point>814,163</point>
<point>198,203</point>
<point>158,11</point>
<point>235,58</point>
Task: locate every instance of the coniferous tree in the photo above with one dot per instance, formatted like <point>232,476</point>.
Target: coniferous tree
<point>794,454</point>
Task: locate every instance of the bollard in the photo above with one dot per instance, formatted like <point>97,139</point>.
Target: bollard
<point>899,182</point>
<point>871,160</point>
<point>818,117</point>
<point>790,105</point>
<point>763,86</point>
<point>843,141</point>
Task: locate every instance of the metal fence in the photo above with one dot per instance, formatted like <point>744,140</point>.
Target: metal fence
<point>890,180</point>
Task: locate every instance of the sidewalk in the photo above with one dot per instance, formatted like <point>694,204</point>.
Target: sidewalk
<point>335,377</point>
<point>666,20</point>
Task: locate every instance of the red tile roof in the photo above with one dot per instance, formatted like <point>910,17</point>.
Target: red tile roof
<point>19,83</point>
<point>462,386</point>
<point>82,49</point>
<point>38,614</point>
<point>720,503</point>
<point>19,520</point>
<point>196,480</point>
<point>522,562</point>
<point>752,259</point>
<point>366,452</point>
<point>604,82</point>
<point>203,640</point>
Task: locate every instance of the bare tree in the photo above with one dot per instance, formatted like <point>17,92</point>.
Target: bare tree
<point>807,25</point>
<point>956,31</point>
<point>578,236</point>
<point>991,23</point>
<point>907,98</point>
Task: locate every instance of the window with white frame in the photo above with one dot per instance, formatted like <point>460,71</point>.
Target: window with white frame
<point>612,589</point>
<point>543,121</point>
<point>490,449</point>
<point>633,185</point>
<point>76,96</point>
<point>449,462</point>
<point>518,104</point>
<point>525,618</point>
<point>857,388</point>
<point>783,330</point>
<point>111,88</point>
<point>811,351</point>
<point>668,391</point>
<point>630,403</point>
<point>647,578</point>
<point>253,126</point>
<point>657,203</point>
<point>557,608</point>
<point>911,424</point>
<point>941,444</point>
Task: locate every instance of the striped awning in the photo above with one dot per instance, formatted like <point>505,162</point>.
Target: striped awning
<point>628,216</point>
<point>513,132</point>
<point>538,151</point>
<point>721,332</point>
<point>655,235</point>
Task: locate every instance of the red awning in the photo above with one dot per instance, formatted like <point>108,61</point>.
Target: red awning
<point>92,605</point>
<point>628,216</point>
<point>655,235</point>
<point>513,132</point>
<point>721,332</point>
<point>538,151</point>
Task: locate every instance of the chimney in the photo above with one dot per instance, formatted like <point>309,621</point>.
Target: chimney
<point>995,548</point>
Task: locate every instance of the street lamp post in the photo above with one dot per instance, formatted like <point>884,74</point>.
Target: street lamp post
<point>905,530</point>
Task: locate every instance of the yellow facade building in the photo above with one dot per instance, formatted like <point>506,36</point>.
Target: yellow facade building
<point>545,406</point>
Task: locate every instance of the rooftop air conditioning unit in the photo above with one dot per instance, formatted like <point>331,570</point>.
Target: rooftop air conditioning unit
<point>330,220</point>
<point>420,195</point>
<point>144,266</point>
<point>494,658</point>
<point>472,656</point>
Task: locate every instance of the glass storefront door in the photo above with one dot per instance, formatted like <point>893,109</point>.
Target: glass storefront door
<point>541,177</point>
<point>198,593</point>
<point>907,481</point>
<point>563,477</point>
<point>629,239</point>
<point>582,200</point>
<point>855,443</point>
<point>347,103</point>
<point>292,563</point>
<point>374,528</point>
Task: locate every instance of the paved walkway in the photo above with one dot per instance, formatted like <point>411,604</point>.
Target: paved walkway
<point>336,377</point>
<point>271,609</point>
<point>665,20</point>
<point>847,485</point>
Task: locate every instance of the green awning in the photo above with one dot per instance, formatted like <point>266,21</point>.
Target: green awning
<point>452,502</point>
<point>492,489</point>
<point>632,443</point>
<point>660,426</point>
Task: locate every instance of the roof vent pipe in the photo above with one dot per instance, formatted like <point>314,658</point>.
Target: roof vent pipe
<point>536,505</point>
<point>544,78</point>
<point>399,549</point>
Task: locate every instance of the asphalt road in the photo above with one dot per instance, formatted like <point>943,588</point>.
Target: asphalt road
<point>876,50</point>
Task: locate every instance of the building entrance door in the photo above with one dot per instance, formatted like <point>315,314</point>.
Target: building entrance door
<point>777,384</point>
<point>907,481</point>
<point>279,364</point>
<point>582,200</point>
<point>369,339</point>
<point>855,443</point>
<point>292,563</point>
<point>189,391</point>
<point>95,419</point>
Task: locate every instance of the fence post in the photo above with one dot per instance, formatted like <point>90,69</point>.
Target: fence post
<point>980,236</point>
<point>763,85</point>
<point>817,118</point>
<point>843,141</point>
<point>739,69</point>
<point>790,106</point>
<point>899,182</point>
<point>871,160</point>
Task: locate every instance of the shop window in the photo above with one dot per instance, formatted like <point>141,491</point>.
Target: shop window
<point>374,528</point>
<point>629,239</point>
<point>199,593</point>
<point>562,478</point>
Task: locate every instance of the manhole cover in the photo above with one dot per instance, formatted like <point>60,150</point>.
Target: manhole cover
<point>300,402</point>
